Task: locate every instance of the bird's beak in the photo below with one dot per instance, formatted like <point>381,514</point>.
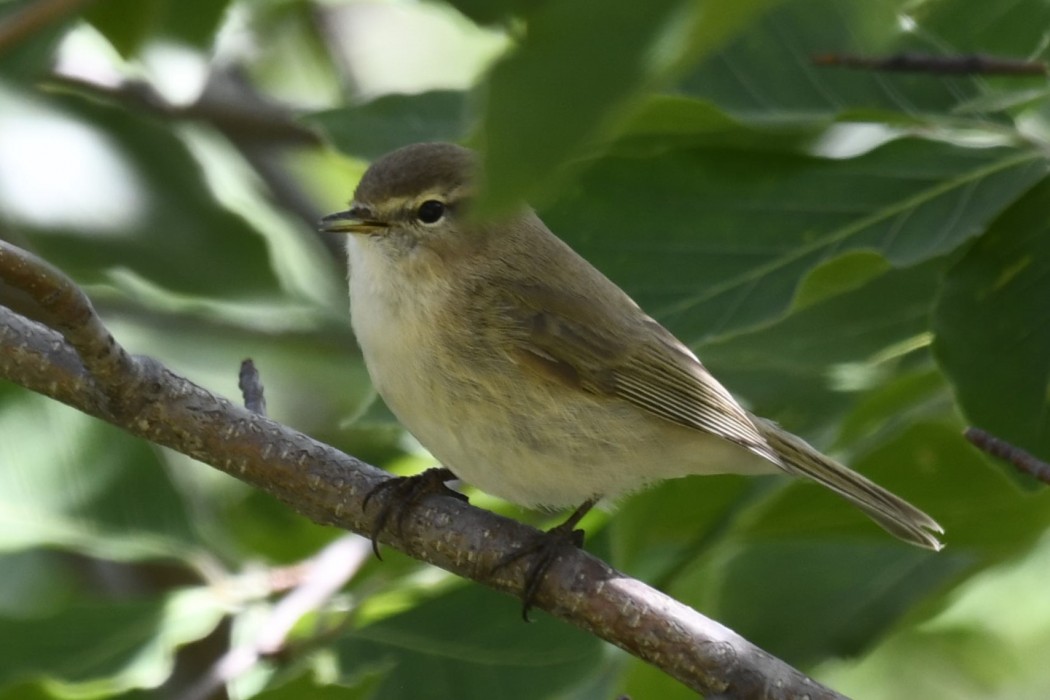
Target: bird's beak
<point>356,219</point>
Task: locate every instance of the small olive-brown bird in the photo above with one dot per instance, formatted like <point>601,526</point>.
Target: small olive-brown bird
<point>531,375</point>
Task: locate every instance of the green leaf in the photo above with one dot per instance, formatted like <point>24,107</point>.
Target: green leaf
<point>105,648</point>
<point>96,489</point>
<point>267,527</point>
<point>984,515</point>
<point>840,275</point>
<point>807,600</point>
<point>992,337</point>
<point>167,227</point>
<point>807,368</point>
<point>378,127</point>
<point>29,58</point>
<point>35,582</point>
<point>917,393</point>
<point>712,241</point>
<point>1014,29</point>
<point>128,24</point>
<point>193,21</point>
<point>645,680</point>
<point>469,643</point>
<point>660,529</point>
<point>936,661</point>
<point>125,23</point>
<point>494,11</point>
<point>603,56</point>
<point>664,123</point>
<point>806,575</point>
<point>307,686</point>
<point>44,690</point>
<point>767,73</point>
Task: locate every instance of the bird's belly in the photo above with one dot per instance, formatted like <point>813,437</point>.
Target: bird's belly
<point>539,444</point>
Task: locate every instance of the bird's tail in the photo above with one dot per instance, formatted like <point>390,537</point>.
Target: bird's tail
<point>897,516</point>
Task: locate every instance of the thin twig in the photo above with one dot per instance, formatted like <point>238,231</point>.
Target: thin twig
<point>251,387</point>
<point>997,447</point>
<point>23,23</point>
<point>325,574</point>
<point>964,64</point>
<point>257,127</point>
<point>330,487</point>
<point>246,117</point>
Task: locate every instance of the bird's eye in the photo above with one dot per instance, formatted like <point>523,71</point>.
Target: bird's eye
<point>430,211</point>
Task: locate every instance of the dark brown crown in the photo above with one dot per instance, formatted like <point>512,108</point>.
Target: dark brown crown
<point>415,169</point>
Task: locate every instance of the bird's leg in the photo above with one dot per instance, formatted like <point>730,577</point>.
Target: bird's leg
<point>406,492</point>
<point>545,549</point>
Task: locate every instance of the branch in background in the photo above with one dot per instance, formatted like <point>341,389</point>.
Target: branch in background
<point>329,487</point>
<point>259,128</point>
<point>997,447</point>
<point>323,576</point>
<point>26,21</point>
<point>967,64</point>
<point>312,583</point>
<point>249,117</point>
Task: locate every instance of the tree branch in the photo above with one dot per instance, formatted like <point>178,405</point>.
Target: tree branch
<point>258,127</point>
<point>1024,461</point>
<point>960,64</point>
<point>24,22</point>
<point>75,361</point>
<point>246,114</point>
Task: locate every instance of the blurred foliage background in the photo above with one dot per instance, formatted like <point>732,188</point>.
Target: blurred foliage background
<point>862,255</point>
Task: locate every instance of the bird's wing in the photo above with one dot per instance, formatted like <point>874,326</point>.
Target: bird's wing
<point>655,371</point>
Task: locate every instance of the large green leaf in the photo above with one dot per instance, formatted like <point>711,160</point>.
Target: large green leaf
<point>92,488</point>
<point>35,582</point>
<point>807,600</point>
<point>661,529</point>
<point>469,643</point>
<point>993,335</point>
<point>579,69</point>
<point>806,575</point>
<point>711,241</point>
<point>1012,29</point>
<point>768,73</point>
<point>95,648</point>
<point>809,367</point>
<point>985,516</point>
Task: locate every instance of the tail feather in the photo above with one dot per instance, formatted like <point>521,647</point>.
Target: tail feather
<point>894,514</point>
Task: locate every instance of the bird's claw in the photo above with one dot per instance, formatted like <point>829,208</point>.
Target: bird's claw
<point>406,492</point>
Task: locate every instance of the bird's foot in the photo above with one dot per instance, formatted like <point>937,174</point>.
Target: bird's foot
<point>544,549</point>
<point>406,492</point>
